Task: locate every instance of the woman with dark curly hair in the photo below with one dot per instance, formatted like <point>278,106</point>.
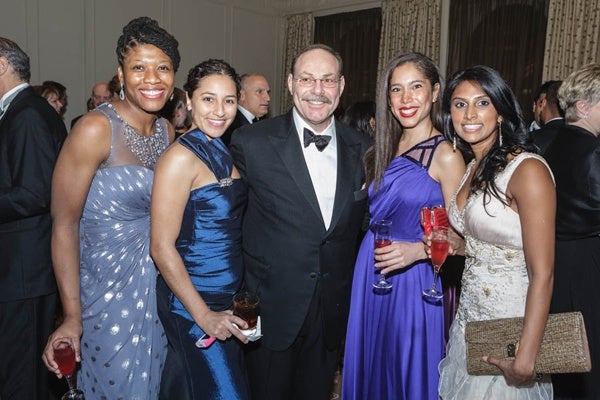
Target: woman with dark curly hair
<point>504,207</point>
<point>100,207</point>
<point>198,200</point>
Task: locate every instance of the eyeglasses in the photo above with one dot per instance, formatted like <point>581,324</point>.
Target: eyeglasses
<point>310,82</point>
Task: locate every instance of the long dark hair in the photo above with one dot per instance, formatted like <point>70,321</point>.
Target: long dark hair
<point>358,116</point>
<point>515,137</point>
<point>388,130</point>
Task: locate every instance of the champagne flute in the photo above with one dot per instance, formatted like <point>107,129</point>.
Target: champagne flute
<point>64,356</point>
<point>439,252</point>
<point>382,230</point>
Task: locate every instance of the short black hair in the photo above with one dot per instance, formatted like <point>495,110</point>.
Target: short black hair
<point>550,88</point>
<point>145,30</point>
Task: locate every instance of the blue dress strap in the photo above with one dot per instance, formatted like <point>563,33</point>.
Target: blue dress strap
<point>213,152</point>
<point>422,153</point>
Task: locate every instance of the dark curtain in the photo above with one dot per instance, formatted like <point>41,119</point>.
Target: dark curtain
<point>355,35</point>
<point>507,35</point>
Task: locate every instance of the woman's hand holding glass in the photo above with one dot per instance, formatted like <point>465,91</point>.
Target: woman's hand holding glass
<point>220,325</point>
<point>70,329</point>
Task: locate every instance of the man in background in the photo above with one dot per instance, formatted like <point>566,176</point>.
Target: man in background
<point>548,115</point>
<point>100,94</point>
<point>306,204</point>
<point>253,103</point>
<point>31,135</point>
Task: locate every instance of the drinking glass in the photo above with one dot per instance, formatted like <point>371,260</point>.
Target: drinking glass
<point>245,306</point>
<point>439,252</point>
<point>64,355</point>
<point>382,230</point>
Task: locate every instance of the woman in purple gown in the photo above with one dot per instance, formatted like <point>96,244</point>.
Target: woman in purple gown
<point>395,338</point>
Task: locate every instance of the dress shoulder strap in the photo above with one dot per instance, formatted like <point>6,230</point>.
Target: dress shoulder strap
<point>423,152</point>
<point>213,152</point>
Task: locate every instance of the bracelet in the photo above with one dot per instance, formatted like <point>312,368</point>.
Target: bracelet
<point>538,376</point>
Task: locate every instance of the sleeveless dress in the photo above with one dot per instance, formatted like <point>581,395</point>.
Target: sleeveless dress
<point>210,245</point>
<point>123,346</point>
<point>494,285</point>
<point>396,340</point>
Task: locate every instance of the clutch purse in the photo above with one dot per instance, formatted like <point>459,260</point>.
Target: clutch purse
<point>434,218</point>
<point>564,347</point>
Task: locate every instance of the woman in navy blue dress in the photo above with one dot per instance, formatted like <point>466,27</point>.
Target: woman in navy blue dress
<point>197,205</point>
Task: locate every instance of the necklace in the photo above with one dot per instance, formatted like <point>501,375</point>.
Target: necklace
<point>146,149</point>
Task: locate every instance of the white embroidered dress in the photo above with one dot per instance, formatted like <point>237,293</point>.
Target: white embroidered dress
<point>494,285</point>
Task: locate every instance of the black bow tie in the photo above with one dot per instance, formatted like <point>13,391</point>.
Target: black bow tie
<point>255,119</point>
<point>321,141</point>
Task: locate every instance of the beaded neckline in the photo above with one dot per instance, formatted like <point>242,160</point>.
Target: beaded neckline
<point>147,149</point>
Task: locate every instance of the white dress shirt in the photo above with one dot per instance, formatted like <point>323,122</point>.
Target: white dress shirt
<point>249,116</point>
<point>9,96</point>
<point>322,166</point>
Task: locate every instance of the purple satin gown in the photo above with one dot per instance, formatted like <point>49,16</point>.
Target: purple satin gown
<point>395,340</point>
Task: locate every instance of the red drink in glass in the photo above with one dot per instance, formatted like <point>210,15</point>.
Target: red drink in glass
<point>439,252</point>
<point>379,243</point>
<point>65,358</point>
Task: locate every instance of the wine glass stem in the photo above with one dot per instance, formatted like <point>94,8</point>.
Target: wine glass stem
<point>435,276</point>
<point>68,378</point>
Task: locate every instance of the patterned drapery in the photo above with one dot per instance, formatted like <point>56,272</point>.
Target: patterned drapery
<point>299,34</point>
<point>572,37</point>
<point>409,25</point>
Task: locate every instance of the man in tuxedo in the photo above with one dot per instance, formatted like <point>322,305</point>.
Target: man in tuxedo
<point>548,115</point>
<point>31,134</point>
<point>253,103</point>
<point>307,201</point>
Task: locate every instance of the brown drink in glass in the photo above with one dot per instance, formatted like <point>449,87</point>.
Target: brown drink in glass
<point>245,306</point>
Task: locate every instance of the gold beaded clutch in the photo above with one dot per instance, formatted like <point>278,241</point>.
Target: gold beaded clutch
<point>564,347</point>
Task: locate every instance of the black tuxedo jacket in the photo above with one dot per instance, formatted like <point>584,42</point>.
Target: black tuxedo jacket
<point>287,249</point>
<point>31,134</point>
<point>239,121</point>
<point>546,134</point>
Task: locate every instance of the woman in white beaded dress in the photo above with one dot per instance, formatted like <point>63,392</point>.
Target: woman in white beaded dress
<point>101,212</point>
<point>505,209</point>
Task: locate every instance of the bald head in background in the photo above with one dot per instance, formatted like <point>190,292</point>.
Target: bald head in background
<point>255,94</point>
<point>100,94</point>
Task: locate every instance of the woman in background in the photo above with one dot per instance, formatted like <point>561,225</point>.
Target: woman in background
<point>101,233</point>
<point>361,116</point>
<point>575,160</point>
<point>52,96</point>
<point>395,340</point>
<point>176,112</point>
<point>197,204</point>
<point>504,208</point>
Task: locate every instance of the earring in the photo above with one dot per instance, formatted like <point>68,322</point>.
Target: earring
<point>122,93</point>
<point>454,144</point>
<point>172,94</point>
<point>500,133</point>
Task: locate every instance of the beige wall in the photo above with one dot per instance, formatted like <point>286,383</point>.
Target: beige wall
<point>73,41</point>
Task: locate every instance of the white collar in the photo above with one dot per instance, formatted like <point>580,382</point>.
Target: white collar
<point>249,116</point>
<point>301,124</point>
<point>10,95</point>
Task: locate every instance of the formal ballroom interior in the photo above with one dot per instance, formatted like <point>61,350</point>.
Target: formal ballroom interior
<point>528,41</point>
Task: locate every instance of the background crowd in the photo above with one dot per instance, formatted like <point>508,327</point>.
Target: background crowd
<point>161,204</point>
